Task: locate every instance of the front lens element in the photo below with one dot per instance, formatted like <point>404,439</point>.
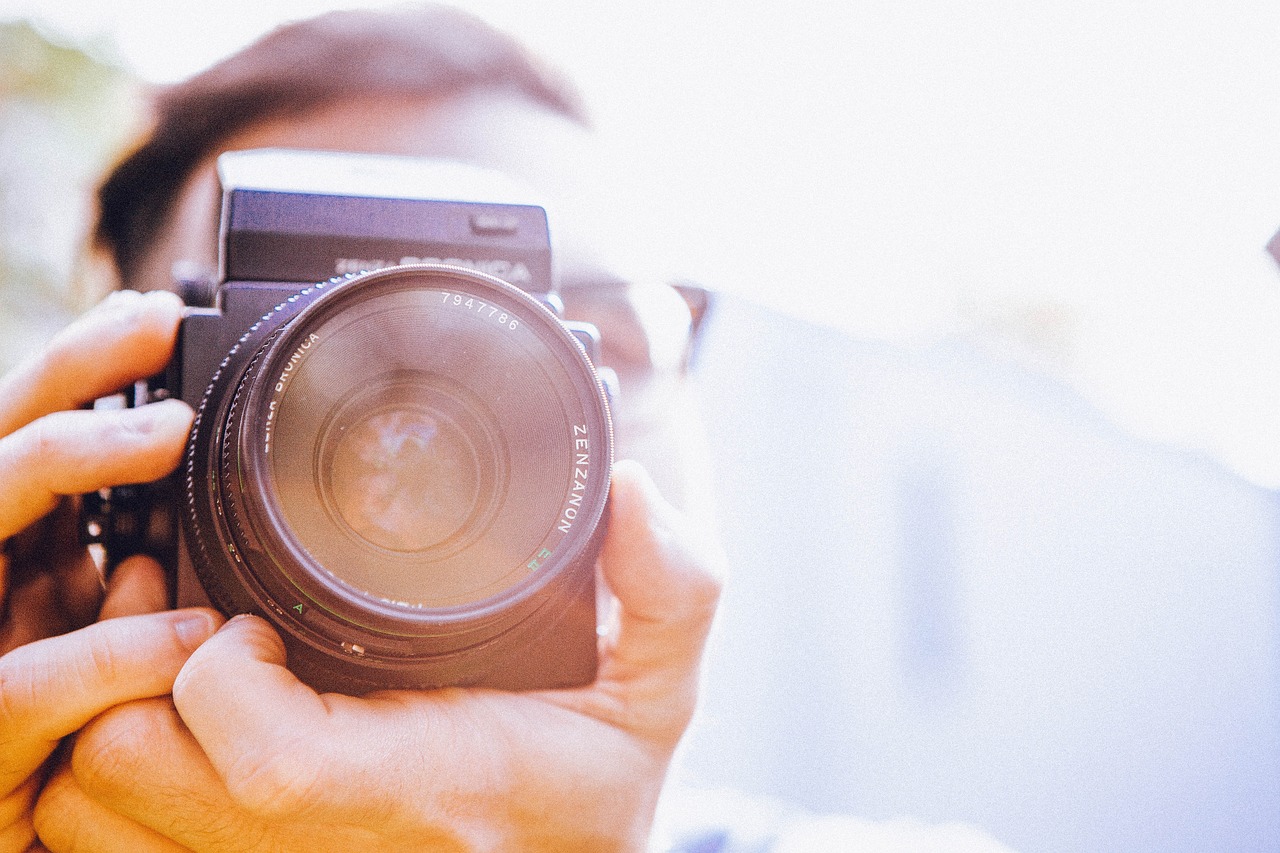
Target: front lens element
<point>406,467</point>
<point>422,440</point>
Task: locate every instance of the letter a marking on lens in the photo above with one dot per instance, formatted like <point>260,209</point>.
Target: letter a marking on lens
<point>298,607</point>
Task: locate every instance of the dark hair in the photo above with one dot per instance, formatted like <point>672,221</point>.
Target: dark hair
<point>424,51</point>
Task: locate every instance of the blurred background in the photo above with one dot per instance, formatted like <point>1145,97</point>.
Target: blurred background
<point>1084,187</point>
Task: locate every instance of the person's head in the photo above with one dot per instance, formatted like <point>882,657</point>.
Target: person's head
<point>427,81</point>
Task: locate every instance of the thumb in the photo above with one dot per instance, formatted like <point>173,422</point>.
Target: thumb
<point>667,576</point>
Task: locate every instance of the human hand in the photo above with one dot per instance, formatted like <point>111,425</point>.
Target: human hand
<point>48,584</point>
<point>50,449</point>
<point>245,757</point>
<point>52,687</point>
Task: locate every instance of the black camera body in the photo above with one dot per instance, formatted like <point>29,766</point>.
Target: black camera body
<point>401,453</point>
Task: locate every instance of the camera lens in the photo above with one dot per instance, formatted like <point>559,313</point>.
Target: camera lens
<point>399,472</point>
<point>408,463</point>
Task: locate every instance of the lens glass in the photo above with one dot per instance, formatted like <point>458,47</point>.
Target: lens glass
<point>403,471</point>
<point>424,440</point>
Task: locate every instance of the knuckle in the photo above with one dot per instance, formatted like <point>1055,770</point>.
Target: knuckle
<point>103,664</point>
<point>45,443</point>
<point>131,439</point>
<point>56,360</point>
<point>13,692</point>
<point>707,584</point>
<point>19,694</point>
<point>55,817</point>
<point>702,563</point>
<point>273,785</point>
<point>50,448</point>
<point>32,457</point>
<point>100,663</point>
<point>112,429</point>
<point>107,749</point>
<point>17,830</point>
<point>665,722</point>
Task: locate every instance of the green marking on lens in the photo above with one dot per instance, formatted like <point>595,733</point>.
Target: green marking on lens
<point>536,563</point>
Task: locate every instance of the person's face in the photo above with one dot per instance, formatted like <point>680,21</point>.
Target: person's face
<point>644,324</point>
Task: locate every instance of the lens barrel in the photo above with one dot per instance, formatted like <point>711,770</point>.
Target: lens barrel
<point>406,471</point>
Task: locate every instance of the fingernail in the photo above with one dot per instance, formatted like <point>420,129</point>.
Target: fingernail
<point>158,416</point>
<point>129,304</point>
<point>193,629</point>
<point>120,297</point>
<point>121,305</point>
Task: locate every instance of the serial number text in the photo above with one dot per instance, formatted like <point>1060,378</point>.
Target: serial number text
<point>493,312</point>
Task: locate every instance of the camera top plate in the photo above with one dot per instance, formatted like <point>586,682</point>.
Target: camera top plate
<point>306,216</point>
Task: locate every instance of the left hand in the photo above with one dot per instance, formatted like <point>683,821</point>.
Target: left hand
<point>245,757</point>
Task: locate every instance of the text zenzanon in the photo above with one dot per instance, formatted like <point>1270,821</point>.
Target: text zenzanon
<point>581,469</point>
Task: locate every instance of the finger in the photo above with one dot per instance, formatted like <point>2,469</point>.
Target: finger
<point>16,831</point>
<point>666,574</point>
<point>69,453</point>
<point>667,577</point>
<point>180,795</point>
<point>235,695</point>
<point>51,688</point>
<point>285,787</point>
<point>284,753</point>
<point>67,819</point>
<point>18,838</point>
<point>138,585</point>
<point>128,336</point>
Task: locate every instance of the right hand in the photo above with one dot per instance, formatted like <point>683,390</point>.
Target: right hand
<point>50,451</point>
<point>49,689</point>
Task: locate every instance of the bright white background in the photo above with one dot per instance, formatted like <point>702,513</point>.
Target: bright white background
<point>1084,185</point>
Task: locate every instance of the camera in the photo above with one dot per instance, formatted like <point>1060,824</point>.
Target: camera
<point>401,453</point>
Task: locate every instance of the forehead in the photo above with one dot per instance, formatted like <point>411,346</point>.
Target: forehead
<point>556,157</point>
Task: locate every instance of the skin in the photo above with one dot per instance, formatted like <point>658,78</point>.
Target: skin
<point>53,682</point>
<point>225,750</point>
